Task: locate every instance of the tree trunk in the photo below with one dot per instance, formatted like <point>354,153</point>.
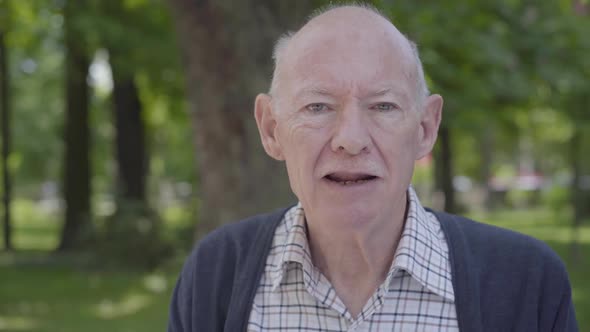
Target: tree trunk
<point>576,193</point>
<point>6,139</point>
<point>487,152</point>
<point>445,169</point>
<point>130,143</point>
<point>76,137</point>
<point>227,54</point>
<point>130,134</point>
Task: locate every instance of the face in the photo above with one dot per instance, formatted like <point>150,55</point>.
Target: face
<point>347,123</point>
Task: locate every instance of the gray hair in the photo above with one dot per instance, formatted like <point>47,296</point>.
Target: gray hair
<point>283,41</point>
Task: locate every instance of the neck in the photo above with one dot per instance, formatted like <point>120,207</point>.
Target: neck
<point>356,261</point>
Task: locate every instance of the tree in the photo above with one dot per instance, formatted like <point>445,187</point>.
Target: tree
<point>226,48</point>
<point>444,168</point>
<point>126,60</point>
<point>136,37</point>
<point>76,178</point>
<point>6,136</point>
<point>577,105</point>
<point>485,76</point>
<point>129,136</point>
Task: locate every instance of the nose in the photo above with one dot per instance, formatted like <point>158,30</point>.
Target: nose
<point>351,134</point>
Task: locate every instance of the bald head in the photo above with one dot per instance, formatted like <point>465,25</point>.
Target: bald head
<point>354,26</point>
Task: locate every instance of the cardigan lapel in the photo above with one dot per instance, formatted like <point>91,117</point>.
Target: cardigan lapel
<point>248,275</point>
<point>465,277</point>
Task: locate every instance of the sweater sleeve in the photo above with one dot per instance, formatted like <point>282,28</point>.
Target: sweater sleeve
<point>220,277</point>
<point>199,300</point>
<point>506,281</point>
<point>565,320</point>
<point>180,307</point>
<point>557,312</point>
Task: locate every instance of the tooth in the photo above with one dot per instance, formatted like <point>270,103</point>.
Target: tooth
<point>349,182</point>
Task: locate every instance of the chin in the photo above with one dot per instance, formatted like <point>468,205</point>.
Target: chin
<point>352,216</point>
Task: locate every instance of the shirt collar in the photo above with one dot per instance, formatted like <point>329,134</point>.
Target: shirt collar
<point>294,249</point>
<point>422,250</point>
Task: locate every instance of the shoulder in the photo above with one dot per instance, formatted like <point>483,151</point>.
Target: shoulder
<point>491,247</point>
<point>508,275</point>
<point>227,247</point>
<point>205,286</point>
<point>485,237</point>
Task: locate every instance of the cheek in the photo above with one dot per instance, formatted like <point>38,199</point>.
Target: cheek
<point>300,133</point>
<point>299,144</point>
<point>398,148</point>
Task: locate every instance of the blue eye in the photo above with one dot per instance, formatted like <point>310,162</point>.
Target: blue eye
<point>385,107</point>
<point>317,107</point>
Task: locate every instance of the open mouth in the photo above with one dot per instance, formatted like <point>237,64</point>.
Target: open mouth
<point>349,179</point>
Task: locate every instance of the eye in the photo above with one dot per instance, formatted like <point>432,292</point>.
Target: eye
<point>317,107</point>
<point>385,107</point>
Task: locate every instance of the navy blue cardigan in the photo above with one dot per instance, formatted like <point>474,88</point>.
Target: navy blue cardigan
<point>503,280</point>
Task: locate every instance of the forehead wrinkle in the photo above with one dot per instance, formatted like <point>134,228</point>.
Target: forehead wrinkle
<point>381,92</point>
<point>349,20</point>
<point>354,23</point>
<point>313,44</point>
<point>314,91</point>
<point>359,89</point>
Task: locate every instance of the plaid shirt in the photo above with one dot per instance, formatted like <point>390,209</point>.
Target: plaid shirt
<point>417,294</point>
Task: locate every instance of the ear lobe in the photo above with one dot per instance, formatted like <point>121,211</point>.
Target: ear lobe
<point>429,124</point>
<point>267,126</point>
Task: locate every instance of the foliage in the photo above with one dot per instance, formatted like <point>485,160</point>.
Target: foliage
<point>36,59</point>
<point>556,199</point>
<point>497,61</point>
<point>36,66</point>
<point>515,59</point>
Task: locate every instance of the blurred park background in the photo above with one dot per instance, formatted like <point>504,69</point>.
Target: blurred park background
<point>127,133</point>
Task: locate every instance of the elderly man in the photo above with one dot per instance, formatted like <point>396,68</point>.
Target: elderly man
<point>349,113</point>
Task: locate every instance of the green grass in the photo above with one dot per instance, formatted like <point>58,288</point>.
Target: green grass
<point>34,228</point>
<point>49,293</point>
<point>44,292</point>
<point>48,298</point>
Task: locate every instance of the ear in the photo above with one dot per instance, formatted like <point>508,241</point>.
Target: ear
<point>429,123</point>
<point>267,126</point>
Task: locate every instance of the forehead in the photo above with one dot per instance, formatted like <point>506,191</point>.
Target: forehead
<point>362,57</point>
